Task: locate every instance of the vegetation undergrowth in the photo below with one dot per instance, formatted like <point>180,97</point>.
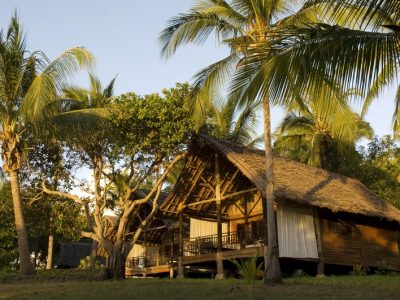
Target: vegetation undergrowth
<point>55,275</point>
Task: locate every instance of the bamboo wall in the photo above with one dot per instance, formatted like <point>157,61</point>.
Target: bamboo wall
<point>354,241</point>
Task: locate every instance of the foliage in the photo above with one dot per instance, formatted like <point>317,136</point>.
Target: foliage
<point>358,270</point>
<point>382,268</point>
<point>54,275</point>
<point>379,169</point>
<point>85,263</point>
<point>227,121</point>
<point>29,88</point>
<point>151,123</point>
<point>249,270</point>
<point>8,240</point>
<point>47,215</point>
<point>141,138</point>
<point>299,273</point>
<point>321,134</point>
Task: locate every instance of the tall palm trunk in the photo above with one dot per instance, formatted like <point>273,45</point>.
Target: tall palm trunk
<point>25,263</point>
<point>272,273</point>
<point>50,247</point>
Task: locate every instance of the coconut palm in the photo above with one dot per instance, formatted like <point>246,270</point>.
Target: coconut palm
<point>29,84</point>
<point>228,122</point>
<point>360,50</point>
<point>241,25</point>
<point>94,97</point>
<point>319,134</point>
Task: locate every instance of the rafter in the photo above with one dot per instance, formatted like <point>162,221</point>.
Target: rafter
<point>222,198</point>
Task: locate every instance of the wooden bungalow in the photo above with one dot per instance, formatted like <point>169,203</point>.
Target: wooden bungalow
<point>322,217</point>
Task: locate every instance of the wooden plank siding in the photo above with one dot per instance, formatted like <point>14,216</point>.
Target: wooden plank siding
<point>349,242</point>
<point>379,245</point>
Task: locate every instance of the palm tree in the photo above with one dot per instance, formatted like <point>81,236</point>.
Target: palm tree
<point>241,25</point>
<point>94,97</point>
<point>319,134</point>
<point>228,122</point>
<point>29,84</point>
<point>361,50</point>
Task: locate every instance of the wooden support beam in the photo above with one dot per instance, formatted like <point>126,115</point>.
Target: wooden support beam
<point>318,234</point>
<point>221,198</point>
<point>180,264</point>
<point>220,266</point>
<point>230,182</point>
<point>203,215</point>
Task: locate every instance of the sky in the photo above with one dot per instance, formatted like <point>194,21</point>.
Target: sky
<point>123,36</point>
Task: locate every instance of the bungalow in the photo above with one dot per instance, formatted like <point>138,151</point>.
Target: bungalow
<point>322,217</point>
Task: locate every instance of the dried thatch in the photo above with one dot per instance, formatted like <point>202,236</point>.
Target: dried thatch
<point>306,184</point>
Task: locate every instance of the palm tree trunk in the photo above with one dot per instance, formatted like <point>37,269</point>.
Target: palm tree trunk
<point>25,263</point>
<point>272,273</point>
<point>49,261</point>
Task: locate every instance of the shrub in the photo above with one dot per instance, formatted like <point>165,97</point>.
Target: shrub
<point>358,270</point>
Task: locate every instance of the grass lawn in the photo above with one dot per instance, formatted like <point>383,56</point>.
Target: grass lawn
<point>344,287</point>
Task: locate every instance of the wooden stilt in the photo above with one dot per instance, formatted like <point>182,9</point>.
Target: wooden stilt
<point>317,225</point>
<point>220,264</point>
<point>180,264</point>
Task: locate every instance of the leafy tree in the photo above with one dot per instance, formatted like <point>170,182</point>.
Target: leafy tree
<point>145,137</point>
<point>44,216</point>
<point>8,240</point>
<point>29,83</point>
<point>380,169</point>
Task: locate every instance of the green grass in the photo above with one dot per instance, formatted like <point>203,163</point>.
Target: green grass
<point>344,287</point>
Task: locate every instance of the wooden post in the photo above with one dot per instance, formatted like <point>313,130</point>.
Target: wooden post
<point>220,264</point>
<point>145,255</point>
<point>171,267</point>
<point>317,225</point>
<point>180,263</point>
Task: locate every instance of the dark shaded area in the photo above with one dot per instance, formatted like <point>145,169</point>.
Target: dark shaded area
<point>72,253</point>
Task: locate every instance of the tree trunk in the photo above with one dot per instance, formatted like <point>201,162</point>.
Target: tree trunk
<point>49,261</point>
<point>272,273</point>
<point>25,263</point>
<point>115,264</point>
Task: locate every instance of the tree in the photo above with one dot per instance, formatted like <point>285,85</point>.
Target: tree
<point>380,168</point>
<point>29,83</point>
<point>145,137</point>
<point>225,121</point>
<point>321,134</point>
<point>356,45</point>
<point>241,25</point>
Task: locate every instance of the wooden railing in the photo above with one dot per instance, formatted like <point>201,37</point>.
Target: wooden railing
<point>141,262</point>
<point>197,246</point>
<point>230,241</point>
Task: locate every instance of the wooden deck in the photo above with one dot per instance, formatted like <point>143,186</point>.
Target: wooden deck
<point>164,269</point>
<point>225,255</point>
<point>196,259</point>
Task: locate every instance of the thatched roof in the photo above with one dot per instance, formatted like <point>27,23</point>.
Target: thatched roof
<point>242,168</point>
<point>306,184</point>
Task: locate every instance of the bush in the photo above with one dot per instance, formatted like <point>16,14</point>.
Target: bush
<point>382,268</point>
<point>299,273</point>
<point>55,275</point>
<point>358,270</point>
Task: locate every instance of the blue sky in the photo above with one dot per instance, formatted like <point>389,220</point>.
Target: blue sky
<point>122,34</point>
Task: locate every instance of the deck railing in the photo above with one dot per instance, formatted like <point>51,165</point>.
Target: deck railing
<point>197,246</point>
<point>230,241</point>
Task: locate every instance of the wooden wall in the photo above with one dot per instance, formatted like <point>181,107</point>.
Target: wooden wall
<point>352,240</point>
